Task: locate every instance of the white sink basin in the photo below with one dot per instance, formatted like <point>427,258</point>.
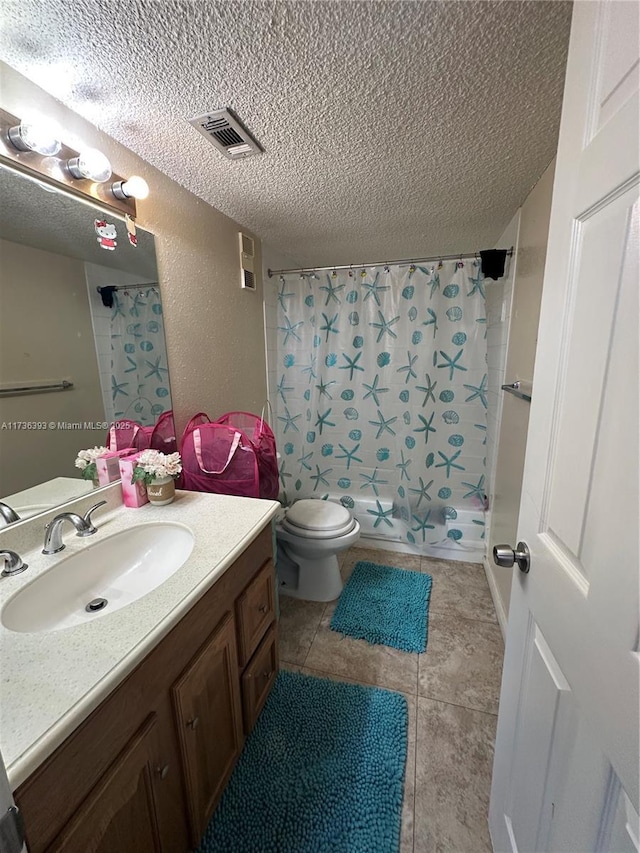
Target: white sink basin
<point>121,569</point>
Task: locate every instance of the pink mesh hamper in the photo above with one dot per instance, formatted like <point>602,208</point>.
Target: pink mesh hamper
<point>263,440</point>
<point>219,459</point>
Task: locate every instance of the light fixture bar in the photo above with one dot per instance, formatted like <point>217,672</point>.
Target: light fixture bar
<point>53,170</point>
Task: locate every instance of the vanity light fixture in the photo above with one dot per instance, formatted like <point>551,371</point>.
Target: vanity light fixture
<point>32,145</point>
<point>90,164</point>
<point>36,135</point>
<point>136,187</point>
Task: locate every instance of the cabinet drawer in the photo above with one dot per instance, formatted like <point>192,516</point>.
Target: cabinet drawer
<point>258,678</point>
<point>255,611</point>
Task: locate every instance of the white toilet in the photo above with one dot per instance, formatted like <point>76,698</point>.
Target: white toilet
<point>310,535</point>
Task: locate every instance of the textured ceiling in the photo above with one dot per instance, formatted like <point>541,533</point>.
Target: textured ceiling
<point>390,129</point>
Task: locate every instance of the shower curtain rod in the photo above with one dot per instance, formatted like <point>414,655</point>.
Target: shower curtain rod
<point>303,270</point>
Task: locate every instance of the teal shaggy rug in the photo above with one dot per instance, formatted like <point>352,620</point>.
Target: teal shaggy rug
<point>322,771</point>
<point>385,605</point>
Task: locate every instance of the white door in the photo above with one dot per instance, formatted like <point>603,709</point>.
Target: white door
<point>566,762</point>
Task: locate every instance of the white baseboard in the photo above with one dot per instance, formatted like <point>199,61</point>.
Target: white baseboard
<point>501,613</point>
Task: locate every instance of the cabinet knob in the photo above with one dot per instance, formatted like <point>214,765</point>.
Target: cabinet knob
<point>266,673</point>
<point>262,608</point>
<point>162,771</point>
<point>193,723</point>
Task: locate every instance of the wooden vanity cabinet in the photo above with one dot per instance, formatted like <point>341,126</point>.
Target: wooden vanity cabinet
<point>144,772</point>
<point>120,812</point>
<point>209,718</point>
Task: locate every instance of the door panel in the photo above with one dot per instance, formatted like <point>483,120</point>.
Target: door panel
<point>615,84</point>
<point>567,745</point>
<point>600,241</point>
<point>541,733</point>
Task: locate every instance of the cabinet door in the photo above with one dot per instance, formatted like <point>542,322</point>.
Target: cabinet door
<point>209,718</point>
<point>119,814</point>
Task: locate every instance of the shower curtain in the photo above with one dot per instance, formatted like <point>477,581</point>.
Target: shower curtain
<point>139,371</point>
<point>381,393</point>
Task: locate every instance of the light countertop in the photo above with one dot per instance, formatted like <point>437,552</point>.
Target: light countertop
<point>52,680</point>
<point>45,495</point>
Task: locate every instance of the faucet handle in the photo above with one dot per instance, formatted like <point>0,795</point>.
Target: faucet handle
<point>13,563</point>
<point>87,517</point>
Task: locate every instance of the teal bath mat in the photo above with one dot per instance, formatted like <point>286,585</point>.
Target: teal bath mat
<point>386,606</point>
<point>323,770</point>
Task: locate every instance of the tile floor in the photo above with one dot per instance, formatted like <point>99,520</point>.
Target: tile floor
<point>452,692</point>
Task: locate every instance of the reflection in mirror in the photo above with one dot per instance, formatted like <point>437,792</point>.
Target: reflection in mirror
<point>84,318</point>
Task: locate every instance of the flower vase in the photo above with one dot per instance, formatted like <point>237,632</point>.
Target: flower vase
<point>162,490</point>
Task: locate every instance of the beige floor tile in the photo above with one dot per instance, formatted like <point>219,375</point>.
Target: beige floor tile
<point>299,622</point>
<point>453,775</point>
<point>290,667</point>
<point>370,664</point>
<point>459,589</point>
<point>463,662</point>
<point>382,558</point>
<point>408,803</point>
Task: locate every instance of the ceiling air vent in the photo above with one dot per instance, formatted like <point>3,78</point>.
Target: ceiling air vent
<point>247,268</point>
<point>224,130</point>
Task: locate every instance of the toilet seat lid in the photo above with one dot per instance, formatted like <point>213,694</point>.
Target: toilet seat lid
<point>316,518</point>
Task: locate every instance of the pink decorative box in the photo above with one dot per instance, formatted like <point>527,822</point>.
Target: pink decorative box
<point>108,467</point>
<point>133,494</point>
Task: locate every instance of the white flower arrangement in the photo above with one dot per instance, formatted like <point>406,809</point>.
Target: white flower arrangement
<point>152,465</point>
<point>86,461</point>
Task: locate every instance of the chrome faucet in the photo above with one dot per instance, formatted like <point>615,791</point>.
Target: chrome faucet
<point>9,514</point>
<point>13,564</point>
<point>53,531</point>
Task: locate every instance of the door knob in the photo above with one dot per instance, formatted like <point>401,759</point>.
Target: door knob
<point>504,555</point>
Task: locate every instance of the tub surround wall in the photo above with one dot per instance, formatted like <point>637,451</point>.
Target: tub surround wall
<point>214,329</point>
<point>512,424</point>
<point>499,294</point>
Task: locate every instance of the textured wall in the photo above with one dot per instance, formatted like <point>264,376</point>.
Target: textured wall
<point>214,329</point>
<point>51,343</point>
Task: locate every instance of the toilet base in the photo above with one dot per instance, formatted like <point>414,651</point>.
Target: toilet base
<point>309,579</point>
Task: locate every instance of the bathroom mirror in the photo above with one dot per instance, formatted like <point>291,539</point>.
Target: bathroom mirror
<point>105,362</point>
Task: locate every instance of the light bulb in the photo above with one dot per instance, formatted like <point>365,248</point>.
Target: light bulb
<point>90,164</point>
<point>135,187</point>
<point>37,135</point>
